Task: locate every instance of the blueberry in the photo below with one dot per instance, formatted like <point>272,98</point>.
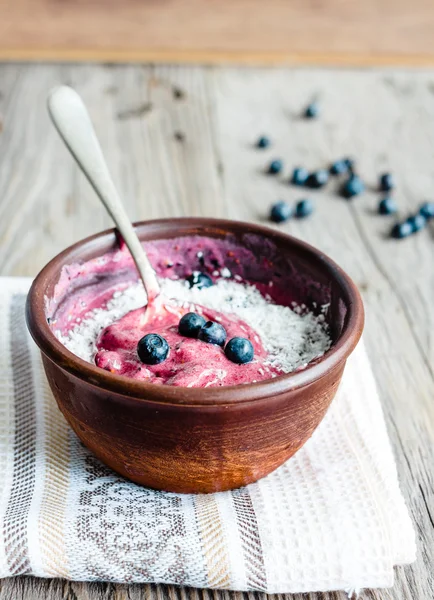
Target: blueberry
<point>417,222</point>
<point>401,230</point>
<point>350,163</point>
<point>299,176</point>
<point>386,182</point>
<point>152,349</point>
<point>275,167</point>
<point>281,211</point>
<point>312,110</point>
<point>199,280</point>
<point>304,208</point>
<point>339,167</point>
<point>190,324</point>
<point>317,179</point>
<point>213,333</point>
<point>427,210</point>
<point>353,186</point>
<point>263,142</point>
<point>387,206</point>
<point>239,350</point>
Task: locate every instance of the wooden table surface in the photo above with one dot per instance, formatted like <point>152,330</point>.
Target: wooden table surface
<point>275,31</point>
<point>179,142</point>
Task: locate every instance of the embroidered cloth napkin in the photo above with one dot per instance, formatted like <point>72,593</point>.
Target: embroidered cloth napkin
<point>331,518</point>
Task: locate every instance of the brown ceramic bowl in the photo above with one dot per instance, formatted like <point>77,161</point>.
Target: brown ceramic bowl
<point>203,440</point>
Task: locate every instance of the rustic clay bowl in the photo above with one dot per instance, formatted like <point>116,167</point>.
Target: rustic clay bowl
<point>214,439</point>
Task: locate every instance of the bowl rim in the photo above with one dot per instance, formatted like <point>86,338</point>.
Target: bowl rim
<point>140,391</point>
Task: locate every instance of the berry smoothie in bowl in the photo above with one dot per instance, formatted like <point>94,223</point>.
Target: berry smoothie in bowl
<point>213,328</point>
<point>220,385</point>
<point>190,355</point>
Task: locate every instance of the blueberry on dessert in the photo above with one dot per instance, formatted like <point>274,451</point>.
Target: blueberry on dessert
<point>190,324</point>
<point>212,333</point>
<point>199,280</point>
<point>239,350</point>
<point>152,349</point>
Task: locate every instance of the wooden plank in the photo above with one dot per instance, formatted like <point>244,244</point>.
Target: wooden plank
<point>248,31</point>
<point>179,141</point>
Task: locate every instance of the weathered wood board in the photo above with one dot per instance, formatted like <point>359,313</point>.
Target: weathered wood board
<point>238,31</point>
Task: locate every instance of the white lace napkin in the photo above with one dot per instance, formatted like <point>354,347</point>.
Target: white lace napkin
<point>331,518</point>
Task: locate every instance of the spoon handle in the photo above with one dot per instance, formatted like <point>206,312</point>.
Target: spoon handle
<point>73,123</point>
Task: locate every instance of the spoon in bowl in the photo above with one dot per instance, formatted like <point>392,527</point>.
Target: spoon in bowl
<point>72,121</point>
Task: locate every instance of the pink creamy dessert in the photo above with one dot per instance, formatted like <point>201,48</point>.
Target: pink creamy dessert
<point>190,362</point>
<point>98,313</point>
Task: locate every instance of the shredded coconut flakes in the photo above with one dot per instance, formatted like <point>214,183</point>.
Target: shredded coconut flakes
<point>291,337</point>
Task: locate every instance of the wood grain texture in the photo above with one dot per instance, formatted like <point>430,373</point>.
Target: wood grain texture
<point>252,31</point>
<point>179,142</point>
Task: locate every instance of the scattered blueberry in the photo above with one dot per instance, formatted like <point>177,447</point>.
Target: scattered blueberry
<point>386,182</point>
<point>275,167</point>
<point>339,167</point>
<point>190,324</point>
<point>417,222</point>
<point>199,280</point>
<point>213,333</point>
<point>299,176</point>
<point>401,230</point>
<point>427,210</point>
<point>263,142</point>
<point>312,110</point>
<point>280,212</point>
<point>387,206</point>
<point>152,349</point>
<point>317,179</point>
<point>353,186</point>
<point>239,350</point>
<point>304,208</point>
<point>350,163</point>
